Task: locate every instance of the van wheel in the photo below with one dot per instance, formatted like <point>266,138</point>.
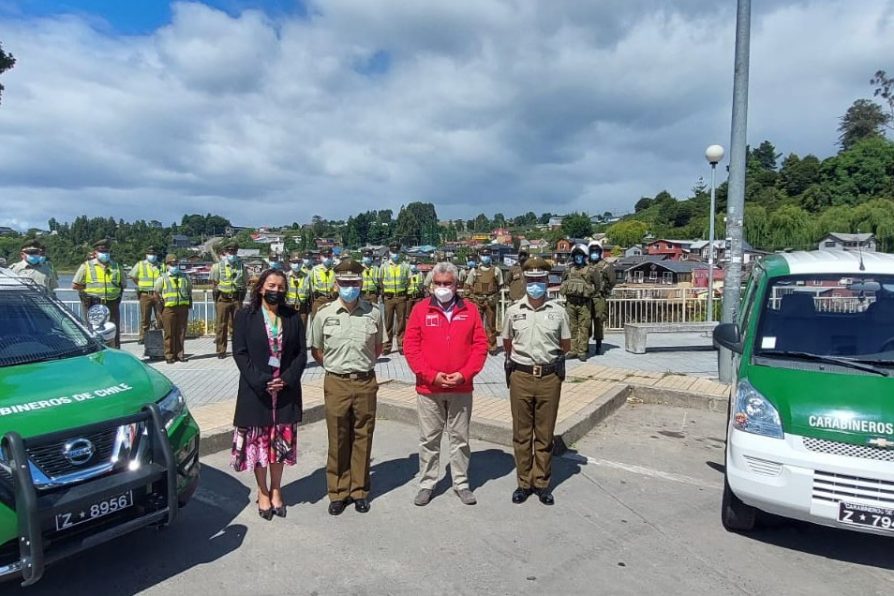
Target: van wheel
<point>735,515</point>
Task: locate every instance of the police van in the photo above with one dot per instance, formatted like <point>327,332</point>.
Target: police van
<point>94,444</point>
<point>810,434</point>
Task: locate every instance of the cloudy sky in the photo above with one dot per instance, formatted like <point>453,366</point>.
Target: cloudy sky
<point>273,111</point>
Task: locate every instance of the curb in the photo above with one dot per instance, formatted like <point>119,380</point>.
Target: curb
<point>576,426</point>
<point>678,399</point>
<point>220,438</point>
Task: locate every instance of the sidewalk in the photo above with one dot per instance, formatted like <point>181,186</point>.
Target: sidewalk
<point>592,391</point>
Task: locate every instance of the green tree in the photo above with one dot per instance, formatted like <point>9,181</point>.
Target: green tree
<point>863,171</point>
<point>481,223</point>
<point>791,227</point>
<point>765,155</point>
<point>577,225</point>
<point>884,88</point>
<point>797,175</point>
<point>865,119</point>
<point>628,232</point>
<point>757,231</point>
<point>7,61</point>
<point>643,203</point>
<point>417,223</point>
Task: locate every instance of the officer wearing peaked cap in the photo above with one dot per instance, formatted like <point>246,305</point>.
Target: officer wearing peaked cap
<point>394,279</point>
<point>34,265</point>
<point>227,278</point>
<point>346,339</point>
<point>174,290</point>
<point>100,280</point>
<point>536,337</point>
<point>322,282</point>
<point>144,275</point>
<point>370,288</point>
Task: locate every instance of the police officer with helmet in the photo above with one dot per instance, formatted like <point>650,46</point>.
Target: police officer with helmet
<point>536,336</point>
<point>482,286</point>
<point>605,274</point>
<point>517,278</point>
<point>579,286</point>
<point>100,280</point>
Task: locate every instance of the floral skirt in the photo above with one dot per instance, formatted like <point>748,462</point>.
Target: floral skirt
<point>258,446</point>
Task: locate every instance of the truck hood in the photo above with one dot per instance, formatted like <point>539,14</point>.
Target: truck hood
<point>851,408</point>
<point>48,396</point>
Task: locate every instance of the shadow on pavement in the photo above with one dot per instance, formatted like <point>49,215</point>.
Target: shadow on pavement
<point>392,474</point>
<point>309,489</point>
<point>487,465</point>
<point>205,356</point>
<point>566,466</point>
<point>202,534</point>
<point>717,467</point>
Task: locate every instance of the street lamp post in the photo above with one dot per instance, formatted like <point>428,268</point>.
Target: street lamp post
<point>713,154</point>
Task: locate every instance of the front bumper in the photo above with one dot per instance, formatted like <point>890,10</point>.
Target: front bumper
<point>784,477</point>
<point>158,485</point>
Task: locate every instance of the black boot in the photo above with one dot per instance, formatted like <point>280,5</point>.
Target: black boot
<point>598,347</point>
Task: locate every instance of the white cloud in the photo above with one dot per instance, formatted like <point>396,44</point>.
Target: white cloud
<point>476,105</point>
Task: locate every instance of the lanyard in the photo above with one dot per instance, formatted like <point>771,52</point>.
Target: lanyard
<point>272,325</point>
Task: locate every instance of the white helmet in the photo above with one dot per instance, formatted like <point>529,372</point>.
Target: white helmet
<point>594,244</point>
<point>581,248</point>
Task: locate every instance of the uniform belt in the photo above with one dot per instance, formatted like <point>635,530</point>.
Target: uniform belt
<point>538,370</point>
<point>226,296</point>
<point>326,296</point>
<point>393,294</point>
<point>359,376</point>
<point>578,300</point>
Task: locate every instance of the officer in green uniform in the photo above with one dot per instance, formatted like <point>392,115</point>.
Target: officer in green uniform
<point>304,290</point>
<point>394,279</point>
<point>322,283</point>
<point>144,275</point>
<point>295,277</point>
<point>606,275</point>
<point>100,280</point>
<point>34,266</point>
<point>482,286</point>
<point>536,337</point>
<point>346,339</point>
<point>227,278</point>
<point>516,278</point>
<point>415,289</point>
<point>173,289</point>
<point>578,287</point>
<point>370,288</point>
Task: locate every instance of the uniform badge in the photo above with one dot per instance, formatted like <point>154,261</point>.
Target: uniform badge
<point>519,317</point>
<point>331,321</point>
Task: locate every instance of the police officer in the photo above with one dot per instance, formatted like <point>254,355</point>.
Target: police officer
<point>34,266</point>
<point>536,336</point>
<point>227,278</point>
<point>605,274</point>
<point>173,289</point>
<point>295,277</point>
<point>370,287</point>
<point>304,290</point>
<point>516,278</point>
<point>100,280</point>
<point>322,282</point>
<point>144,275</point>
<point>346,340</point>
<point>394,279</point>
<point>482,286</point>
<point>579,287</point>
<point>416,288</point>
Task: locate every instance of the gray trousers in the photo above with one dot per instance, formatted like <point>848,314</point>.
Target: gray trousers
<point>452,411</point>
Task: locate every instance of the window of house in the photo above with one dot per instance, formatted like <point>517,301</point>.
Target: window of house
<point>653,276</point>
<point>830,244</point>
<point>668,278</point>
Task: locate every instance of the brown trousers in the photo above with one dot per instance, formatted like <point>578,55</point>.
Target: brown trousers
<point>487,307</point>
<point>114,313</point>
<point>174,320</point>
<point>350,421</point>
<point>225,310</point>
<point>395,308</point>
<point>149,303</point>
<point>535,407</point>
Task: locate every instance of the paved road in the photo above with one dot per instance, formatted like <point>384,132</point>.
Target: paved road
<point>636,513</point>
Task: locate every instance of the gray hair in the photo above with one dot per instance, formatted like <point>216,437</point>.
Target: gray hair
<point>446,268</point>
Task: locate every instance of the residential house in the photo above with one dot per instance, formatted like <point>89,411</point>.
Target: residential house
<point>676,250</point>
<point>564,246</point>
<point>555,222</point>
<point>180,241</point>
<point>634,251</point>
<point>666,272</point>
<point>849,242</point>
<point>501,236</point>
<point>325,243</point>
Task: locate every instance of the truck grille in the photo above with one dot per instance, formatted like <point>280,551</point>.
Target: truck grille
<point>52,462</point>
<point>840,487</point>
<point>848,449</point>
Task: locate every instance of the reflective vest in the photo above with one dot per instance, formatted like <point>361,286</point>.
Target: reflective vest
<point>296,280</point>
<point>103,281</point>
<point>370,280</point>
<point>395,278</point>
<point>147,273</point>
<point>175,291</point>
<point>323,281</point>
<point>304,288</point>
<point>227,278</point>
<point>416,289</point>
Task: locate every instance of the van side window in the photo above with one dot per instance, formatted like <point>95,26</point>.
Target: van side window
<point>748,301</point>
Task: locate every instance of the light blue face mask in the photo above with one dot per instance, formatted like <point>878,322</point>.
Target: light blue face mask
<point>173,270</point>
<point>470,264</point>
<point>231,259</point>
<point>414,269</point>
<point>327,262</point>
<point>536,290</point>
<point>308,263</point>
<point>151,258</point>
<point>485,260</point>
<point>33,259</point>
<point>395,258</point>
<point>367,261</point>
<point>349,293</point>
<point>296,267</point>
<point>596,256</point>
<point>578,259</point>
<point>103,257</point>
<point>43,259</point>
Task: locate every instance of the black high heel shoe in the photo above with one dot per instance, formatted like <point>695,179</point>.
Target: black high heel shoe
<point>265,513</point>
<point>279,511</point>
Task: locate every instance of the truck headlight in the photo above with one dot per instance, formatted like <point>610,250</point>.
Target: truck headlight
<point>171,406</point>
<point>753,413</point>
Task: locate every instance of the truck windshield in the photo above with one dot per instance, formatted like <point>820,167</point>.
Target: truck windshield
<point>34,328</point>
<point>850,317</point>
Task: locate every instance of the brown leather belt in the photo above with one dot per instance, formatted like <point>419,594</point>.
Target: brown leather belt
<point>354,376</point>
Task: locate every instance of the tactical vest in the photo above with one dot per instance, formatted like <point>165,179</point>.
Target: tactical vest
<point>516,283</point>
<point>485,282</point>
<point>578,284</point>
<point>103,282</point>
<point>172,293</point>
<point>147,273</point>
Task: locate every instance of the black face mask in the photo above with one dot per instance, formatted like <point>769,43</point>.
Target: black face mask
<point>273,298</point>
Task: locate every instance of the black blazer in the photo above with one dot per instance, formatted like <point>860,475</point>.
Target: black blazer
<point>254,406</point>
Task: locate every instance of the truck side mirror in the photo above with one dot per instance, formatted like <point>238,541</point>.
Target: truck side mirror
<point>726,335</point>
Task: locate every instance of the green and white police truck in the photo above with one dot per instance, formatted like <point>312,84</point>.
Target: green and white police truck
<point>94,444</point>
<point>810,434</point>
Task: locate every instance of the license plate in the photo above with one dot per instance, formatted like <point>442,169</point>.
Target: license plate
<point>866,515</point>
<point>96,510</point>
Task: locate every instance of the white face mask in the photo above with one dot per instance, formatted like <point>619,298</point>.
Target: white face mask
<point>444,294</point>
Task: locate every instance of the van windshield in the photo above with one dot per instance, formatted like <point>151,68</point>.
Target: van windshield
<point>849,317</point>
<point>33,328</point>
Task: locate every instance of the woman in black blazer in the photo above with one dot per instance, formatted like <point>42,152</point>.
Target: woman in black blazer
<point>269,349</point>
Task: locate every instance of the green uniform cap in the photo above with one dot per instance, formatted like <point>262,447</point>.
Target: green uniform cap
<point>170,259</point>
<point>102,243</point>
<point>348,270</point>
<point>536,267</point>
